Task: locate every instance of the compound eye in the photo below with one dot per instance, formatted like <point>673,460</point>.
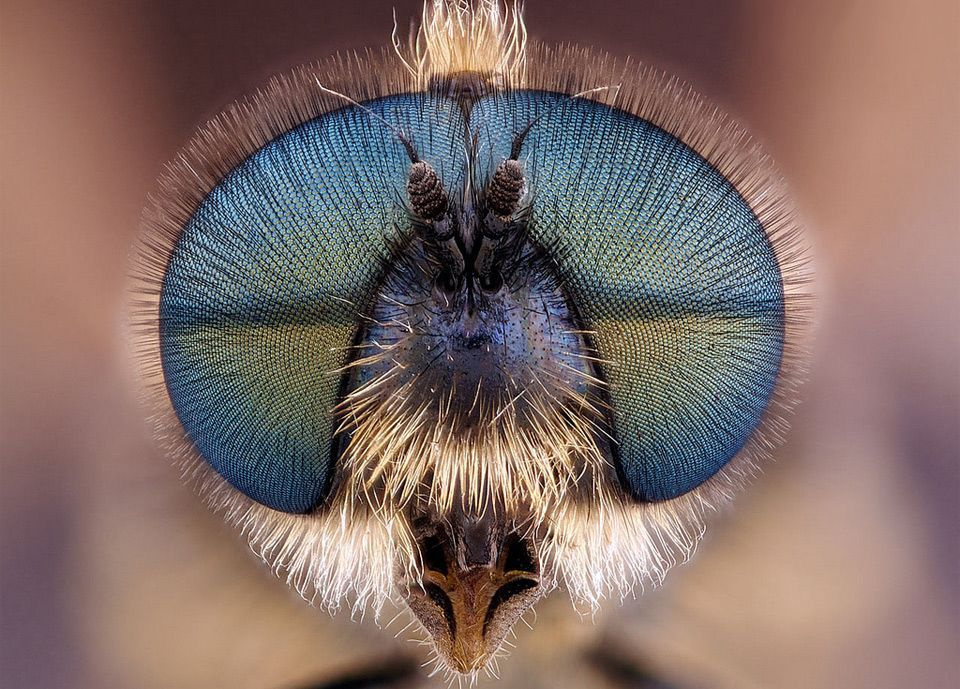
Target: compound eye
<point>260,286</point>
<point>681,278</point>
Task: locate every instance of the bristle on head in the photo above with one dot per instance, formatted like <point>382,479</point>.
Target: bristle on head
<point>482,36</point>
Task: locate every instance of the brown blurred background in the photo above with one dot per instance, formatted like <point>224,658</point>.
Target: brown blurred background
<point>840,569</point>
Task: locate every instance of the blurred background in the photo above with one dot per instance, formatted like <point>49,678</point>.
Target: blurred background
<point>841,568</point>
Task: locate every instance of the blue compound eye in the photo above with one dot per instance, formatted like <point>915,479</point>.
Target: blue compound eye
<point>261,298</point>
<point>669,268</point>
